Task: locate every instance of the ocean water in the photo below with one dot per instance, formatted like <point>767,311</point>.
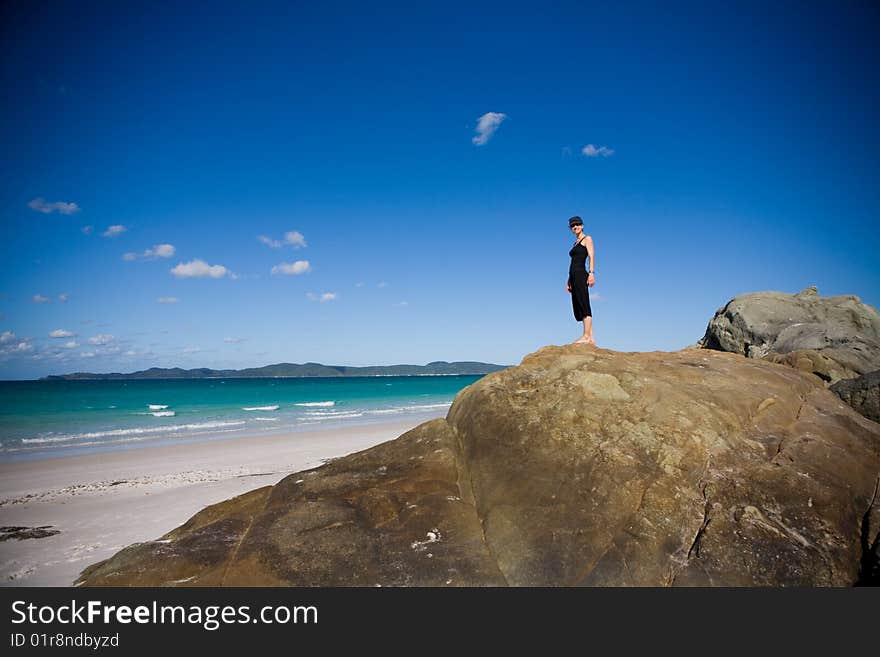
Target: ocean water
<point>40,419</point>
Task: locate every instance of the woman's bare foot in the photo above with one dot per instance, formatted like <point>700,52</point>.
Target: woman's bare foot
<point>582,340</point>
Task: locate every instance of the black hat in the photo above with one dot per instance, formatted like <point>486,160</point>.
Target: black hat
<point>575,221</point>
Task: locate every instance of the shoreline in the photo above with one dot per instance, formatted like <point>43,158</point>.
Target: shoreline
<point>102,502</point>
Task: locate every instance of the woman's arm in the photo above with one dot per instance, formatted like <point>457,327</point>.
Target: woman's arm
<point>590,251</point>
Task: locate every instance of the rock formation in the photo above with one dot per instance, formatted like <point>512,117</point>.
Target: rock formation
<point>833,337</point>
<point>580,466</point>
<point>862,393</point>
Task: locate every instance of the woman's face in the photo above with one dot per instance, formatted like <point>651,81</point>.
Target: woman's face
<point>577,228</point>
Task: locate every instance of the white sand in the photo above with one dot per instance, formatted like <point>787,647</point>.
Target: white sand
<point>101,503</point>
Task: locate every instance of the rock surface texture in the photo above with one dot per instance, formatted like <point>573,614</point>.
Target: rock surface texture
<point>580,466</point>
<point>832,337</point>
<point>862,393</point>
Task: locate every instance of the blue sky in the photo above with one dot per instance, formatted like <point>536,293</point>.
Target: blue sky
<point>740,154</point>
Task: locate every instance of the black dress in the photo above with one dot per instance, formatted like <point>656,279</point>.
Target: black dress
<point>577,279</point>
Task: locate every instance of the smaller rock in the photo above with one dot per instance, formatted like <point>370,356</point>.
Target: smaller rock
<point>862,393</point>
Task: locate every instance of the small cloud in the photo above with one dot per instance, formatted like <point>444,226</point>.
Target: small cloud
<point>486,126</point>
<point>595,296</point>
<point>39,298</point>
<point>166,300</point>
<point>295,239</point>
<point>158,251</point>
<point>88,354</point>
<point>87,230</point>
<point>234,340</point>
<point>101,339</point>
<point>200,269</point>
<point>63,297</point>
<point>592,151</point>
<point>191,350</point>
<point>401,304</point>
<point>275,244</point>
<point>45,207</point>
<point>381,284</point>
<point>61,333</point>
<point>130,352</point>
<point>326,296</point>
<point>292,268</point>
<point>11,344</point>
<point>114,231</point>
<point>292,238</point>
<point>73,344</point>
<point>566,151</point>
<point>359,284</point>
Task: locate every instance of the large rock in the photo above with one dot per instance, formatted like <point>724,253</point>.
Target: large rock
<point>862,393</point>
<point>579,467</point>
<point>832,337</point>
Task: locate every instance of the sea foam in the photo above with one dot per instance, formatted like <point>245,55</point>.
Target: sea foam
<point>260,408</point>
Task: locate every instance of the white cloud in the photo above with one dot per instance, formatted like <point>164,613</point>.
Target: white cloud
<point>160,251</point>
<point>101,338</point>
<point>381,284</point>
<point>114,231</point>
<point>63,297</point>
<point>191,350</point>
<point>200,269</point>
<point>45,207</point>
<point>130,352</point>
<point>359,284</point>
<point>11,344</point>
<point>295,239</point>
<point>486,126</point>
<point>593,151</point>
<point>88,354</point>
<point>73,344</point>
<point>401,304</point>
<point>275,244</point>
<point>87,230</point>
<point>326,296</point>
<point>61,333</point>
<point>234,340</point>
<point>38,298</point>
<point>166,300</point>
<point>292,268</point>
<point>292,238</point>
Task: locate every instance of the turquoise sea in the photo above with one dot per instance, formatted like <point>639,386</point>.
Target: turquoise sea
<point>40,419</point>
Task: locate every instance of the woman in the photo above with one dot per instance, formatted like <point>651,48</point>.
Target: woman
<point>580,280</point>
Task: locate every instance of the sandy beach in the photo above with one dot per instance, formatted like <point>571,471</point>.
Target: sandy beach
<point>100,503</point>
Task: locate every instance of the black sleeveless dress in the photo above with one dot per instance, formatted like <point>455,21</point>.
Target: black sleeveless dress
<point>577,279</point>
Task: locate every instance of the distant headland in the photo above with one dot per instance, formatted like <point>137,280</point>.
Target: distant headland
<point>292,370</point>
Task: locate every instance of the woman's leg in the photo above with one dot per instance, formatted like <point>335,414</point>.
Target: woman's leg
<point>588,329</point>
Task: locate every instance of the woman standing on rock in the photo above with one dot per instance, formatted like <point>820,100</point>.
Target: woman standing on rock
<point>580,280</point>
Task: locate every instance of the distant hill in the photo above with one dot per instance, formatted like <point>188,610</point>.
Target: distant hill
<point>294,370</point>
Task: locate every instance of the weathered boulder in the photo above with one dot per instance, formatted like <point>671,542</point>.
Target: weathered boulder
<point>862,393</point>
<point>580,466</point>
<point>833,337</point>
